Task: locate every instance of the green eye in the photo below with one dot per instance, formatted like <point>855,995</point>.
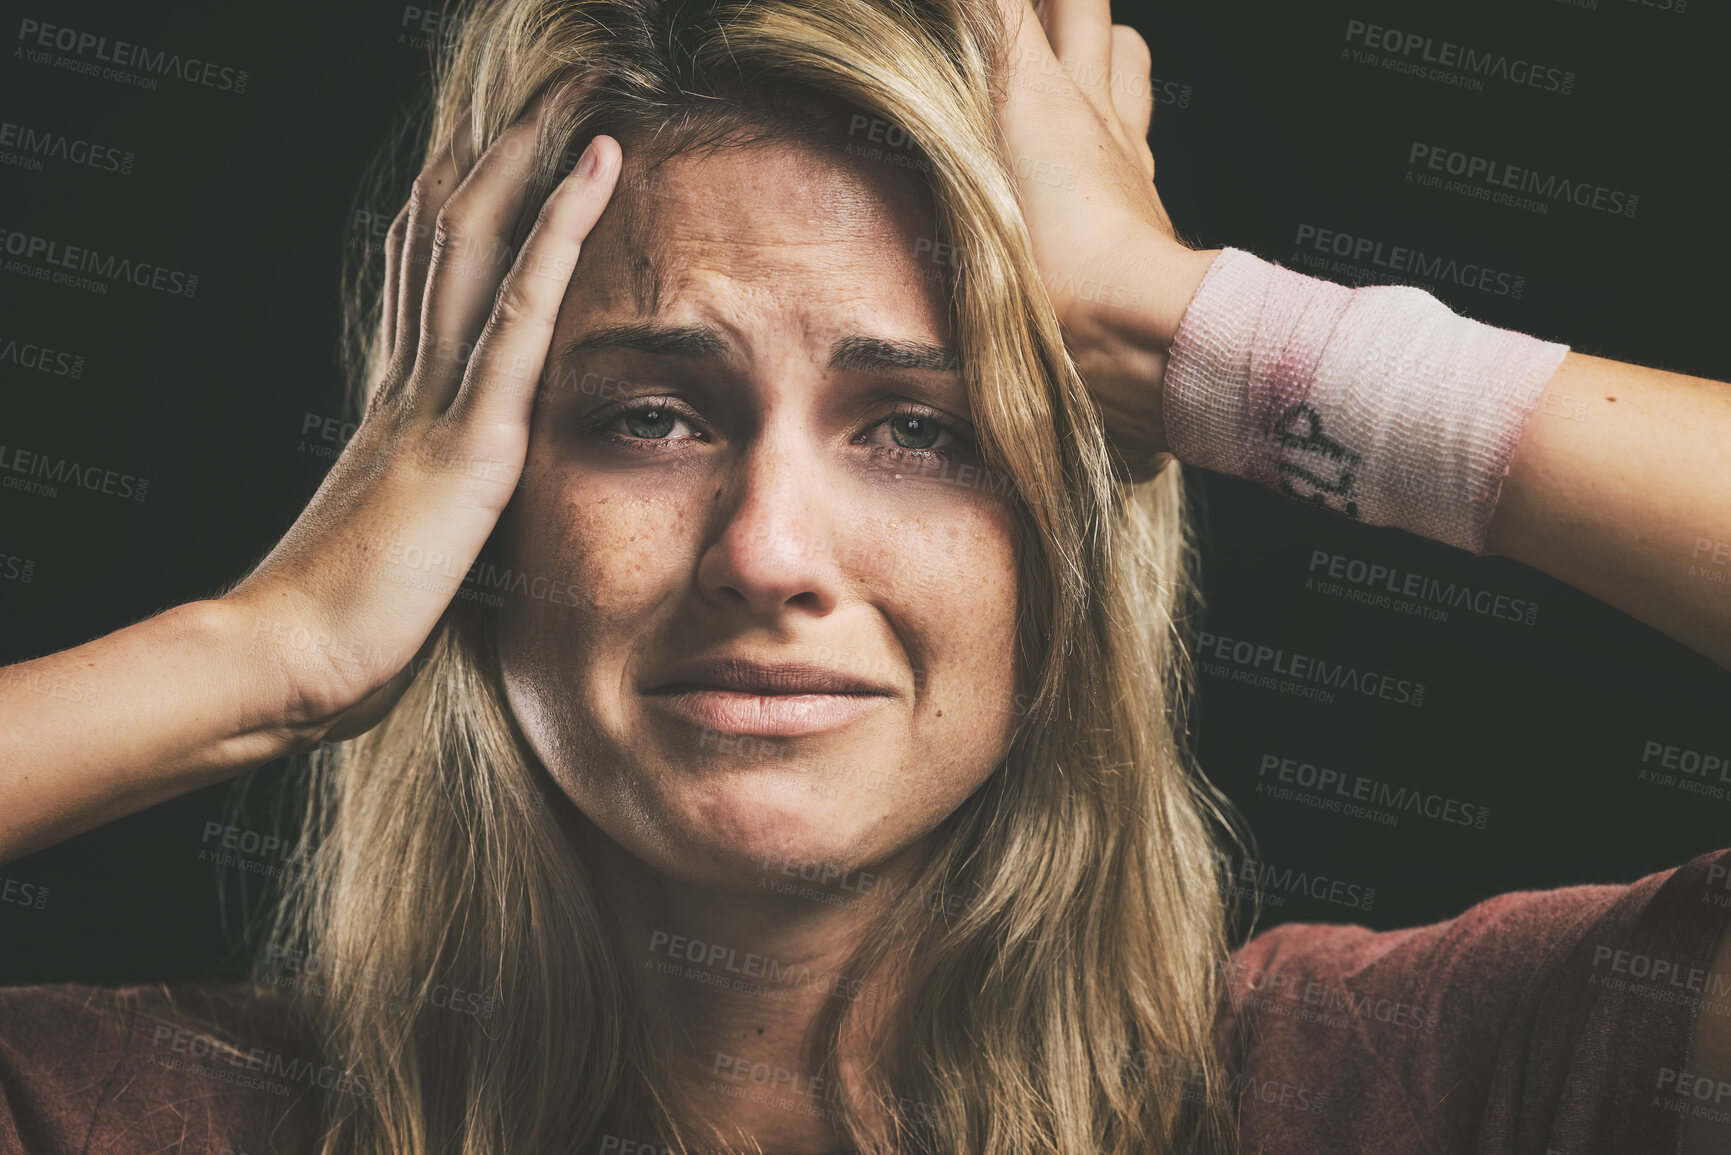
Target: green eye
<point>912,431</point>
<point>651,423</point>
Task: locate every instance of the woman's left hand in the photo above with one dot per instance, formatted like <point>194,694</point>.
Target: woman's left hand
<point>1074,128</point>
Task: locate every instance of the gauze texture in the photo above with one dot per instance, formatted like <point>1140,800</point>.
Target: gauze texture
<point>1380,403</point>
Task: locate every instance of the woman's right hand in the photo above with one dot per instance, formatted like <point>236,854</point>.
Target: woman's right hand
<point>317,642</point>
<point>339,608</point>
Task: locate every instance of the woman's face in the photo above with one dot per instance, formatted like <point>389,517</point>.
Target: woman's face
<point>723,466</point>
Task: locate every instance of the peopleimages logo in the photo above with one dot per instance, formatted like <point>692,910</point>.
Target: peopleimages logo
<point>34,145</point>
<point>27,463</point>
<point>1275,884</point>
<point>427,27</point>
<point>1697,772</point>
<point>1484,178</point>
<point>776,975</point>
<point>1390,587</point>
<point>1381,259</point>
<point>37,39</point>
<point>1274,668</point>
<point>1473,64</point>
<point>1298,994</point>
<point>30,355</point>
<point>64,262</point>
<point>23,893</point>
<point>1344,793</point>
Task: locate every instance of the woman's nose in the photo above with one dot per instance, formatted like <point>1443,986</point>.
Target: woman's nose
<point>774,519</point>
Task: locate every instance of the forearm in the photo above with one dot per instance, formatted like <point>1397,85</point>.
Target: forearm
<point>1621,486</point>
<point>136,717</point>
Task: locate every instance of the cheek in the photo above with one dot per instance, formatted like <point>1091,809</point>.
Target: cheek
<point>950,583</point>
<point>961,580</point>
<point>614,549</point>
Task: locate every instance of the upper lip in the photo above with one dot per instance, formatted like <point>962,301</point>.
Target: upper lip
<point>752,677</point>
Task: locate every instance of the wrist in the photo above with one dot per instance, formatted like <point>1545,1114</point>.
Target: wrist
<point>265,718</point>
<point>1166,278</point>
<point>1379,403</point>
<point>1122,341</point>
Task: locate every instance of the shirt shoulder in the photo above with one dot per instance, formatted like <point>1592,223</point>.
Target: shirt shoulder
<point>156,1068</point>
<point>1552,1021</point>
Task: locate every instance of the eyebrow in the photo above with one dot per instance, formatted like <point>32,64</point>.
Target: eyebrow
<point>853,352</point>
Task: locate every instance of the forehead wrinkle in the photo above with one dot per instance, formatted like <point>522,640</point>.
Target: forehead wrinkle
<point>848,207</point>
<point>642,273</point>
<point>681,234</point>
<point>737,275</point>
<point>641,198</point>
<point>767,268</point>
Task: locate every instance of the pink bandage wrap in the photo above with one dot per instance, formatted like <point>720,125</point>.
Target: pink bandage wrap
<point>1380,403</point>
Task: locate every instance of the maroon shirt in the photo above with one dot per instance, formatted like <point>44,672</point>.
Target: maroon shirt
<point>1554,1021</point>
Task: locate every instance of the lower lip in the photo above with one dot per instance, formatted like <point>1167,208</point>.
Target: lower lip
<point>767,715</point>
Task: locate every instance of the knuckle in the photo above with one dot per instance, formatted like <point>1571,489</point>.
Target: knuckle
<point>547,216</point>
<point>435,354</point>
<point>449,228</point>
<point>421,193</point>
<point>564,205</point>
<point>398,232</point>
<point>515,304</point>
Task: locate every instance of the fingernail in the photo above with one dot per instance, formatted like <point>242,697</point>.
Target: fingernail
<point>588,162</point>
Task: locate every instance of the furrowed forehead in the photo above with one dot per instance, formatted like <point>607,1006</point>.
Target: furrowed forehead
<point>659,188</point>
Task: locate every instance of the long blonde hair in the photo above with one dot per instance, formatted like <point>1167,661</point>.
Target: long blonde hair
<point>1070,1007</point>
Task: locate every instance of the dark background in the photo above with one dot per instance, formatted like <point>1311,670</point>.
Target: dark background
<point>1263,127</point>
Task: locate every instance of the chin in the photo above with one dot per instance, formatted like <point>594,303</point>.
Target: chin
<point>735,829</point>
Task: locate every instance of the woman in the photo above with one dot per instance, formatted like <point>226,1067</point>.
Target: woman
<point>762,790</point>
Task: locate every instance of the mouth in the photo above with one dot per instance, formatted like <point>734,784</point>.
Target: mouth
<point>740,696</point>
<point>764,715</point>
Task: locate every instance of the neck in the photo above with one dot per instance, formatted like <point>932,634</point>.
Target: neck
<point>732,980</point>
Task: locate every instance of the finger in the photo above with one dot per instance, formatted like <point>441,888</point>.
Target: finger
<point>1080,32</point>
<point>470,257</point>
<point>499,387</point>
<point>393,283</point>
<point>433,186</point>
<point>1025,42</point>
<point>1133,89</point>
